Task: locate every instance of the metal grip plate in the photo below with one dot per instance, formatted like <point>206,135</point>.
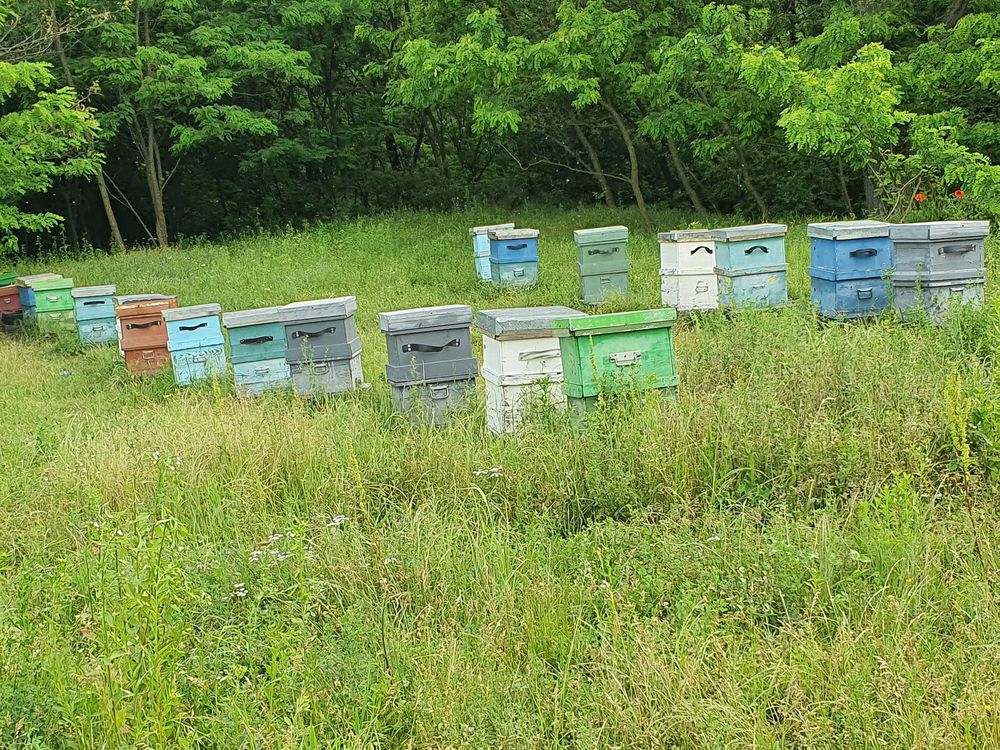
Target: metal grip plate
<point>623,359</point>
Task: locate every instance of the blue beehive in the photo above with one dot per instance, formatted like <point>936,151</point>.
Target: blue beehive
<point>95,314</point>
<point>750,264</point>
<point>481,248</point>
<point>850,262</point>
<point>26,293</point>
<point>257,349</point>
<point>194,339</point>
<point>514,257</point>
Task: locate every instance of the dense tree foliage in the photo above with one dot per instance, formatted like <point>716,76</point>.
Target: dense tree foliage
<point>150,119</point>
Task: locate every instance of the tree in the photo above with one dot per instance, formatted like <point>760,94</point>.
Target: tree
<point>44,134</point>
<point>166,73</point>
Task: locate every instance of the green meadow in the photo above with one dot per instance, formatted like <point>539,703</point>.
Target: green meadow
<point>800,552</point>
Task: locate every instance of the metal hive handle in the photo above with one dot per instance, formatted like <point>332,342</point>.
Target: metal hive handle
<point>313,334</point>
<point>706,248</point>
<point>522,246</point>
<point>609,251</point>
<point>94,302</point>
<point>193,328</point>
<point>407,348</point>
<point>863,251</point>
<point>150,324</point>
<point>956,250</point>
<point>750,250</point>
<point>258,340</point>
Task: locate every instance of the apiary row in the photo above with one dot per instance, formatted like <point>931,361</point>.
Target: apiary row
<point>857,268</point>
<point>533,357</point>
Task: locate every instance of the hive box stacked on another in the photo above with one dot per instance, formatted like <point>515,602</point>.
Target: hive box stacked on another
<point>10,304</point>
<point>142,332</point>
<point>608,354</point>
<point>602,262</point>
<point>513,257</point>
<point>750,264</point>
<point>257,349</point>
<point>850,262</point>
<point>431,368</point>
<point>938,264</point>
<point>322,346</point>
<point>95,314</point>
<point>522,364</point>
<point>26,293</point>
<point>194,340</point>
<point>481,248</point>
<point>54,307</point>
<point>687,270</point>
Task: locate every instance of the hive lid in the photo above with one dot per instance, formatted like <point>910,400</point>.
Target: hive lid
<point>940,230</point>
<point>684,235</point>
<point>131,299</point>
<point>93,291</point>
<point>42,285</point>
<point>192,311</point>
<point>749,232</point>
<point>612,322</point>
<point>487,228</point>
<point>444,316</point>
<point>318,309</point>
<point>600,234</point>
<point>522,322</point>
<point>260,316</point>
<point>848,230</point>
<point>967,279</point>
<point>30,280</point>
<point>6,279</point>
<point>513,234</point>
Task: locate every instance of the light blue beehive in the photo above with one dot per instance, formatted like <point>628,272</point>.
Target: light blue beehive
<point>195,341</point>
<point>95,314</point>
<point>481,248</point>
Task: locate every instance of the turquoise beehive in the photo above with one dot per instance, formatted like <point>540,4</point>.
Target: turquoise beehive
<point>750,264</point>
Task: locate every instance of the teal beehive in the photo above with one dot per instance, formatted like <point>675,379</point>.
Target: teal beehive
<point>602,262</point>
<point>750,265</point>
<point>257,349</point>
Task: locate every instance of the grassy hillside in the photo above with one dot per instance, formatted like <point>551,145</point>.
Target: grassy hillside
<point>800,552</point>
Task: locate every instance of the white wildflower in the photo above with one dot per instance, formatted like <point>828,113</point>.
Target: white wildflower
<point>336,521</point>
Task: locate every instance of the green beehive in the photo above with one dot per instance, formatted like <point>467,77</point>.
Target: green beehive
<point>616,353</point>
<point>54,305</point>
<point>53,295</point>
<point>6,279</point>
<point>602,261</point>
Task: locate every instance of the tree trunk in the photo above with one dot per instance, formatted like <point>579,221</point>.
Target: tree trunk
<point>595,162</point>
<point>154,181</point>
<point>745,175</point>
<point>845,194</point>
<point>956,12</point>
<point>692,193</point>
<point>872,203</point>
<point>640,200</point>
<point>117,242</point>
<point>74,234</point>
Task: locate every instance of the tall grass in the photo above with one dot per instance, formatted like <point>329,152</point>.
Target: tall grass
<point>799,552</point>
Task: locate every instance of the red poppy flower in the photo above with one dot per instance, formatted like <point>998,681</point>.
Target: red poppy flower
<point>920,197</point>
<point>959,193</point>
